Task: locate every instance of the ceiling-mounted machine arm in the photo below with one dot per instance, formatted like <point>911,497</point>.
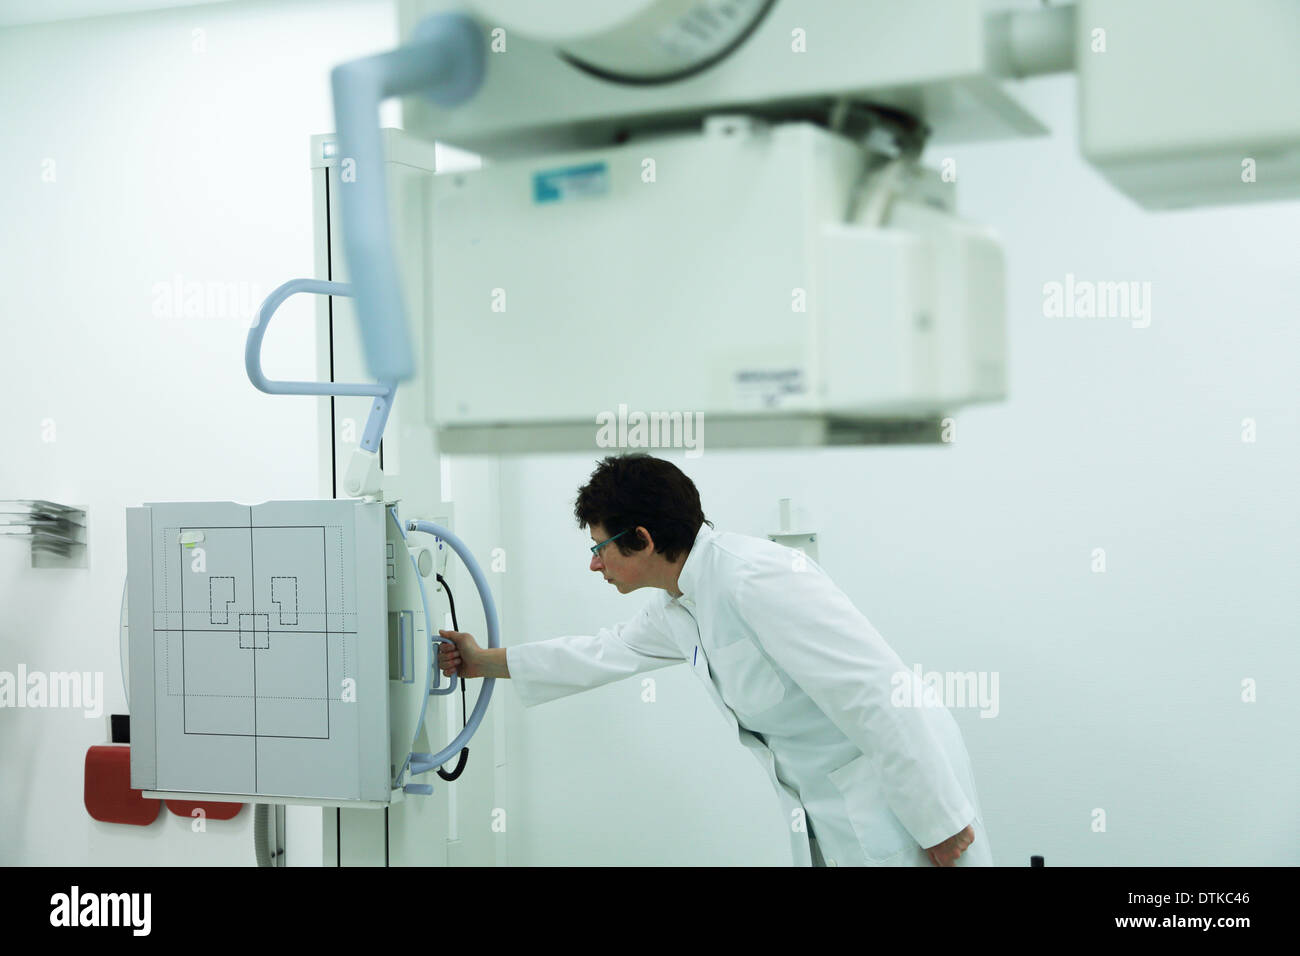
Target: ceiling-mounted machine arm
<point>444,61</point>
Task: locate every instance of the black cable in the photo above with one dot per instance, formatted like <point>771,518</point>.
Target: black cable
<point>464,753</point>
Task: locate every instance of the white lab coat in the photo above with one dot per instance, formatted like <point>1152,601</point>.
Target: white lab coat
<point>807,682</point>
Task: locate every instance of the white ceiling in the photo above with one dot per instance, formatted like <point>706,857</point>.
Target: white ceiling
<point>18,12</point>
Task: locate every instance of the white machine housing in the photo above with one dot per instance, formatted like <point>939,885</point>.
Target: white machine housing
<point>1191,102</point>
<point>278,651</point>
<point>929,58</point>
<point>584,279</point>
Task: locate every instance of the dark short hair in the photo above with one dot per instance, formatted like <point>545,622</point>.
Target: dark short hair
<point>637,489</point>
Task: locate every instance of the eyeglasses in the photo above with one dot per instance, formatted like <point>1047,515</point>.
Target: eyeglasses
<point>595,548</point>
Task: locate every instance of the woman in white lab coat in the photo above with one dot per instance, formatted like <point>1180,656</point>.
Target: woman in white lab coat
<point>863,758</point>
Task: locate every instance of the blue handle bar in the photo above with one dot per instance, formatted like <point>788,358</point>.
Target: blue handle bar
<point>253,345</point>
<point>383,391</point>
<point>422,762</point>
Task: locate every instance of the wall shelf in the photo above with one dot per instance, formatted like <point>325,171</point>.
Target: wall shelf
<point>56,533</point>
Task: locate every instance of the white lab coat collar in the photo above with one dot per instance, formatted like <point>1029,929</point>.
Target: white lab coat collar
<point>688,577</point>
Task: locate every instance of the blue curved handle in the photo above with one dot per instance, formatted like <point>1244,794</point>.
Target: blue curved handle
<point>422,762</point>
<point>383,391</point>
<point>253,345</point>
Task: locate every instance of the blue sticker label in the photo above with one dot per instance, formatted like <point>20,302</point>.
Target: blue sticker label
<point>571,182</point>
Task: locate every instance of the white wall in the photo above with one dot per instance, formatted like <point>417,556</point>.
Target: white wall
<point>1119,691</point>
<point>174,153</point>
